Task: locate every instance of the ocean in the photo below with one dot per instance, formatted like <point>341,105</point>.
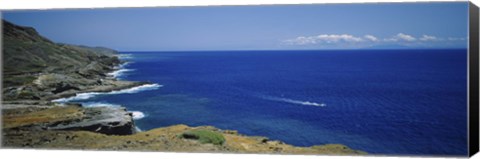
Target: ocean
<point>396,102</point>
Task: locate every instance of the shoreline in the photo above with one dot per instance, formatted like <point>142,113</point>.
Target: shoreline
<point>115,84</point>
<point>123,85</point>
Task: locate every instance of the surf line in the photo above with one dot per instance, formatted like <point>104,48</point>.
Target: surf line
<point>88,95</point>
<point>136,115</point>
<point>120,70</point>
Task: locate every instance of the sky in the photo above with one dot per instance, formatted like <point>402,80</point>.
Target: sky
<point>266,27</point>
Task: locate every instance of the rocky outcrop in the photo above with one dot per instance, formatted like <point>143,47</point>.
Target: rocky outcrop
<point>106,86</point>
<point>105,120</point>
<point>53,86</point>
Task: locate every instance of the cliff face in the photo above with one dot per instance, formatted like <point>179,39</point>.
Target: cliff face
<point>27,52</point>
<point>34,67</point>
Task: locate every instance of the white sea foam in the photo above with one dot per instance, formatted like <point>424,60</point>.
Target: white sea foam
<point>136,115</point>
<point>79,96</point>
<point>83,96</point>
<point>120,70</point>
<point>119,73</point>
<point>293,101</point>
<point>99,104</point>
<point>137,89</point>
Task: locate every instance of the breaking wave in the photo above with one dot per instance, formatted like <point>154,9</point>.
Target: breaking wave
<point>120,70</point>
<point>99,104</point>
<point>118,73</point>
<point>293,101</point>
<point>83,96</point>
<point>136,115</point>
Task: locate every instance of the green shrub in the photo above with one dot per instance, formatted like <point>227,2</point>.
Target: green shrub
<point>205,136</point>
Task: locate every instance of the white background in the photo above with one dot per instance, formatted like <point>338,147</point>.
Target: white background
<point>77,154</point>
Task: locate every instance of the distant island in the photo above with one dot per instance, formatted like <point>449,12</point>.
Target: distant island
<point>37,71</point>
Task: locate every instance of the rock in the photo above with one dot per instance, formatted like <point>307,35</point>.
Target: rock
<point>105,120</point>
<point>26,92</point>
<point>57,83</point>
<point>93,70</point>
<point>62,86</point>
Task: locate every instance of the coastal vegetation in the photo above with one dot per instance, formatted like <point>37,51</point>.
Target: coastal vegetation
<point>205,136</point>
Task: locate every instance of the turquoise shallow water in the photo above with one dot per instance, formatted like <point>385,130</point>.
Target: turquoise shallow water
<point>380,101</point>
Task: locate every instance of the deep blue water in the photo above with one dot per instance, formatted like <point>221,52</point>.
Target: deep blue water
<point>400,102</point>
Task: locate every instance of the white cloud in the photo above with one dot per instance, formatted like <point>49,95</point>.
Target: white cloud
<point>371,37</point>
<point>301,40</point>
<point>324,39</point>
<point>368,40</point>
<point>405,37</point>
<point>400,37</point>
<point>428,38</point>
<point>336,38</point>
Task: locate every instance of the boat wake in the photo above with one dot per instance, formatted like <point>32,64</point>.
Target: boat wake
<point>293,101</point>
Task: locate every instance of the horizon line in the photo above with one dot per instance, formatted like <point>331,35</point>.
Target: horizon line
<point>293,50</point>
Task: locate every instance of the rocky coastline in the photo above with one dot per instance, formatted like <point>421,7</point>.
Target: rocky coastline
<point>37,71</point>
